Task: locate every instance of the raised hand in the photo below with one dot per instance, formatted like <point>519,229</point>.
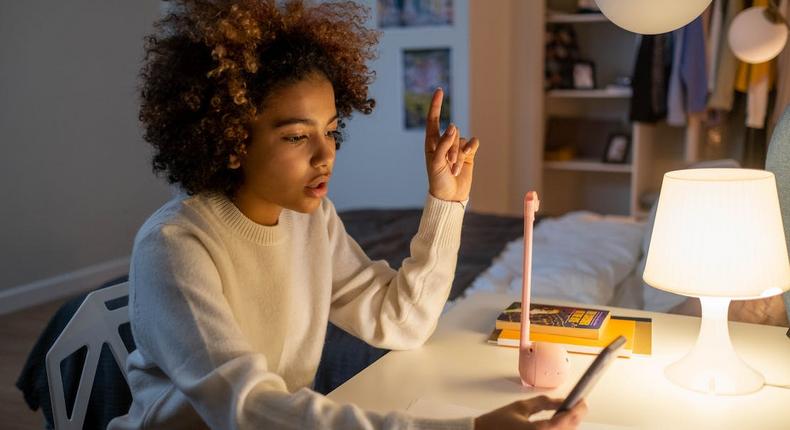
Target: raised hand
<point>449,157</point>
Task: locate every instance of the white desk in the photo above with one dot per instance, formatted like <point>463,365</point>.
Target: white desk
<point>457,366</point>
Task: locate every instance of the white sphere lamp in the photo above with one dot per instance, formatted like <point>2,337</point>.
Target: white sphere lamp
<point>755,37</point>
<point>652,16</point>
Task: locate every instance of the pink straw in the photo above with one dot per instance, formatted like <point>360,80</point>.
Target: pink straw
<point>531,204</point>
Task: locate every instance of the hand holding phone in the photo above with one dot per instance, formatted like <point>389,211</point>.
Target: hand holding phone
<point>593,373</point>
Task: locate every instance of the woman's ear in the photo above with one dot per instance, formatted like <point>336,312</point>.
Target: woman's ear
<point>234,160</point>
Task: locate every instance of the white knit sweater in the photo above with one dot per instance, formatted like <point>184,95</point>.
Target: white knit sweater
<point>229,316</point>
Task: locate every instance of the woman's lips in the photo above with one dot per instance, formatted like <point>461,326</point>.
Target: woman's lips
<point>317,180</point>
<point>318,191</point>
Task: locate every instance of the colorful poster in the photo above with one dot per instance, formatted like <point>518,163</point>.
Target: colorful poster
<point>413,13</point>
<point>423,71</point>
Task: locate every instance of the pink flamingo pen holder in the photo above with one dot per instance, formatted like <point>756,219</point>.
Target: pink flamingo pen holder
<point>540,364</point>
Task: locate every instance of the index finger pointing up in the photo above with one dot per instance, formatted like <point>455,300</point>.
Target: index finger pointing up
<point>432,123</point>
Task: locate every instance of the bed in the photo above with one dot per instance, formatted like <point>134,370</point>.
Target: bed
<point>580,256</point>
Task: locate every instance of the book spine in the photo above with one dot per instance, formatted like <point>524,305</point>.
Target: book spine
<point>589,333</point>
<point>586,333</point>
<point>578,349</point>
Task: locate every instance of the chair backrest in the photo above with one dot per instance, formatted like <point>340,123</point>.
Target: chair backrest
<point>95,323</point>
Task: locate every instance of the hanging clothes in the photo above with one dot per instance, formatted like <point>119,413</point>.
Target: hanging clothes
<point>721,96</point>
<point>688,82</point>
<point>713,41</point>
<point>783,74</point>
<point>756,80</point>
<point>650,79</point>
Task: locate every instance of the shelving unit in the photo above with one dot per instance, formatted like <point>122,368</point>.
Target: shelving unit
<point>560,18</point>
<point>585,182</point>
<point>603,93</point>
<point>587,166</point>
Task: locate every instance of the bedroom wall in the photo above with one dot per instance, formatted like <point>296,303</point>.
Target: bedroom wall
<point>490,44</point>
<point>75,176</point>
<point>497,71</point>
<point>506,92</point>
<point>381,164</point>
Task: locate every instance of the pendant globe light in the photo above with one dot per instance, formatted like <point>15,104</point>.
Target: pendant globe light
<point>758,34</point>
<point>652,16</point>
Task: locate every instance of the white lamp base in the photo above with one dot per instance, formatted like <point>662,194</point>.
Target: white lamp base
<point>712,366</point>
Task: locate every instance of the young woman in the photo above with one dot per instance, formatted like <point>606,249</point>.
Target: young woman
<point>232,284</point>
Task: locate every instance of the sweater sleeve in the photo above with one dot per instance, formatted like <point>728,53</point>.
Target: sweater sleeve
<point>182,322</point>
<point>396,309</point>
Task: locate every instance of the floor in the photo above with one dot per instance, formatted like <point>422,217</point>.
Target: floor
<point>18,333</point>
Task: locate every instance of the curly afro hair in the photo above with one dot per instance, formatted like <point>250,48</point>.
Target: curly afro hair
<point>211,63</point>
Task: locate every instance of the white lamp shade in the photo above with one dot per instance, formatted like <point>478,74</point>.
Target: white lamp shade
<point>718,233</point>
<point>652,16</point>
<point>753,38</point>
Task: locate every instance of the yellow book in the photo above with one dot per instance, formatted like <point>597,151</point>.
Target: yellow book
<point>637,331</point>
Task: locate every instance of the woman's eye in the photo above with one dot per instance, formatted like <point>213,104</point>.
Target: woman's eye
<point>295,139</point>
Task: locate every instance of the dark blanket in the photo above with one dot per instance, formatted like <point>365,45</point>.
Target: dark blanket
<point>383,234</point>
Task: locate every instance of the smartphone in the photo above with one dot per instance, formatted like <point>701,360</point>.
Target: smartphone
<point>593,373</point>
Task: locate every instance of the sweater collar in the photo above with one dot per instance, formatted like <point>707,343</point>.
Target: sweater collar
<point>232,217</point>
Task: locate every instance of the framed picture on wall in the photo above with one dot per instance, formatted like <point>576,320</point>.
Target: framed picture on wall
<point>423,71</point>
<point>414,13</point>
<point>617,147</point>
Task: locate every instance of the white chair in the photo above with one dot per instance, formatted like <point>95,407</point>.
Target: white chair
<point>93,325</point>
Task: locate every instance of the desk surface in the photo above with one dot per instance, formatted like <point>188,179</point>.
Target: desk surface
<point>457,366</point>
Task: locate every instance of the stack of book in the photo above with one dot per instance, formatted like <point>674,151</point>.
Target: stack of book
<point>582,330</point>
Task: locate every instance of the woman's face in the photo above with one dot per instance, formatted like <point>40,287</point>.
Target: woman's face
<point>290,157</point>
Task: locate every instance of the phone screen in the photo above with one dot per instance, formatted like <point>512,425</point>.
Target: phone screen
<point>593,373</point>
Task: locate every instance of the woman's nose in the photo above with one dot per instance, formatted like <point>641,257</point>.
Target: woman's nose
<point>325,151</point>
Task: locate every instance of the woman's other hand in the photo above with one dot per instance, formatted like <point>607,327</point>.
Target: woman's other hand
<point>516,416</point>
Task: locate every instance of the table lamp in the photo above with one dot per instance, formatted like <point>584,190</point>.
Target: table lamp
<point>718,236</point>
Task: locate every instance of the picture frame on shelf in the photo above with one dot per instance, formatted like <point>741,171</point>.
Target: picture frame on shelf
<point>583,75</point>
<point>617,147</point>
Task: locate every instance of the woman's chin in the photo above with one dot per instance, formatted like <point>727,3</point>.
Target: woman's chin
<point>307,205</point>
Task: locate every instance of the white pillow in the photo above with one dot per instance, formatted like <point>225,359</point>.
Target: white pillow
<point>579,257</point>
